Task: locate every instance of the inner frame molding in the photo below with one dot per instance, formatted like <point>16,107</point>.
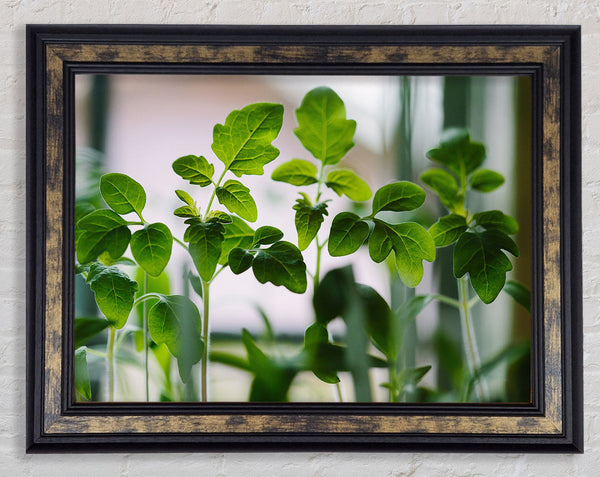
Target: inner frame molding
<point>549,55</point>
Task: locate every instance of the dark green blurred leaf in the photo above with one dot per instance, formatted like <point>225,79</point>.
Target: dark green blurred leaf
<point>485,180</point>
<point>457,152</point>
<point>444,184</point>
<point>519,292</point>
<point>83,391</point>
<point>88,327</point>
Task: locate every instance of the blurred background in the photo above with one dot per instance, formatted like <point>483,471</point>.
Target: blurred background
<point>139,124</point>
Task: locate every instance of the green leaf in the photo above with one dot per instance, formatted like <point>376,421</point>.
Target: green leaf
<point>308,220</point>
<point>195,169</point>
<point>218,216</point>
<point>315,334</point>
<point>380,244</point>
<point>151,247</point>
<point>240,260</point>
<point>348,183</point>
<point>185,197</point>
<point>398,196</point>
<point>243,143</point>
<point>236,197</point>
<point>114,292</point>
<point>519,292</point>
<point>196,283</point>
<point>281,264</point>
<point>457,152</point>
<point>122,193</point>
<point>378,322</point>
<point>330,297</point>
<point>101,231</point>
<point>266,235</point>
<point>448,229</point>
<point>83,391</point>
<point>444,184</point>
<point>237,234</point>
<point>206,241</point>
<point>496,220</point>
<point>86,328</point>
<point>185,211</point>
<point>480,254</point>
<point>297,172</point>
<point>322,125</point>
<point>348,233</point>
<point>485,180</point>
<point>412,244</point>
<point>175,321</point>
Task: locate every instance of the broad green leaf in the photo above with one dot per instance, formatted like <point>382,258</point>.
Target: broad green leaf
<point>448,229</point>
<point>196,283</point>
<point>206,241</point>
<point>322,125</point>
<point>379,322</point>
<point>218,216</point>
<point>380,244</point>
<point>237,234</point>
<point>480,255</point>
<point>444,184</point>
<point>185,211</point>
<point>151,247</point>
<point>83,391</point>
<point>101,231</point>
<point>114,292</point>
<point>457,152</point>
<point>236,197</point>
<point>88,327</point>
<point>496,220</point>
<point>308,220</point>
<point>485,180</point>
<point>266,235</point>
<point>105,259</point>
<point>195,169</point>
<point>330,298</point>
<point>185,197</point>
<point>348,233</point>
<point>243,143</point>
<point>348,183</point>
<point>519,292</point>
<point>122,193</point>
<point>398,196</point>
<point>297,172</point>
<point>315,334</point>
<point>82,208</point>
<point>412,244</point>
<point>239,260</point>
<point>175,321</point>
<point>281,264</point>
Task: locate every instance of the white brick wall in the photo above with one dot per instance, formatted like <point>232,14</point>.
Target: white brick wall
<point>14,14</point>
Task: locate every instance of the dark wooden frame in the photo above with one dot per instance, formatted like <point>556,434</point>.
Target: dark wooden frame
<point>550,55</point>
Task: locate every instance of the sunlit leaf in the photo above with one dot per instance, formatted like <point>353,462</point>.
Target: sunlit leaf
<point>496,220</point>
<point>243,143</point>
<point>322,125</point>
<point>308,220</point>
<point>298,172</point>
<point>236,197</point>
<point>398,196</point>
<point>122,193</point>
<point>206,241</point>
<point>348,183</point>
<point>485,180</point>
<point>448,229</point>
<point>151,247</point>
<point>195,169</point>
<point>444,184</point>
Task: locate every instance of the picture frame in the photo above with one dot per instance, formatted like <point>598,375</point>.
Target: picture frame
<point>549,55</point>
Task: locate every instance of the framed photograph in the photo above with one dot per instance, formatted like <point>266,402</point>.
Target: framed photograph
<point>303,238</point>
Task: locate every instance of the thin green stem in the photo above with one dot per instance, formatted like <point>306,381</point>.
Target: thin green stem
<point>96,353</point>
<point>134,223</point>
<point>338,389</point>
<point>146,346</point>
<point>319,183</point>
<point>110,359</point>
<point>316,277</point>
<point>146,296</point>
<point>392,381</point>
<point>205,328</point>
<point>447,300</point>
<point>175,239</point>
<point>214,192</point>
<point>470,343</point>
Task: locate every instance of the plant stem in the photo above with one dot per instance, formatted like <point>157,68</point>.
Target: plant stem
<point>110,359</point>
<point>392,381</point>
<point>470,343</point>
<point>338,388</point>
<point>316,277</point>
<point>205,300</point>
<point>447,300</point>
<point>180,243</point>
<point>146,346</point>
<point>214,192</point>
